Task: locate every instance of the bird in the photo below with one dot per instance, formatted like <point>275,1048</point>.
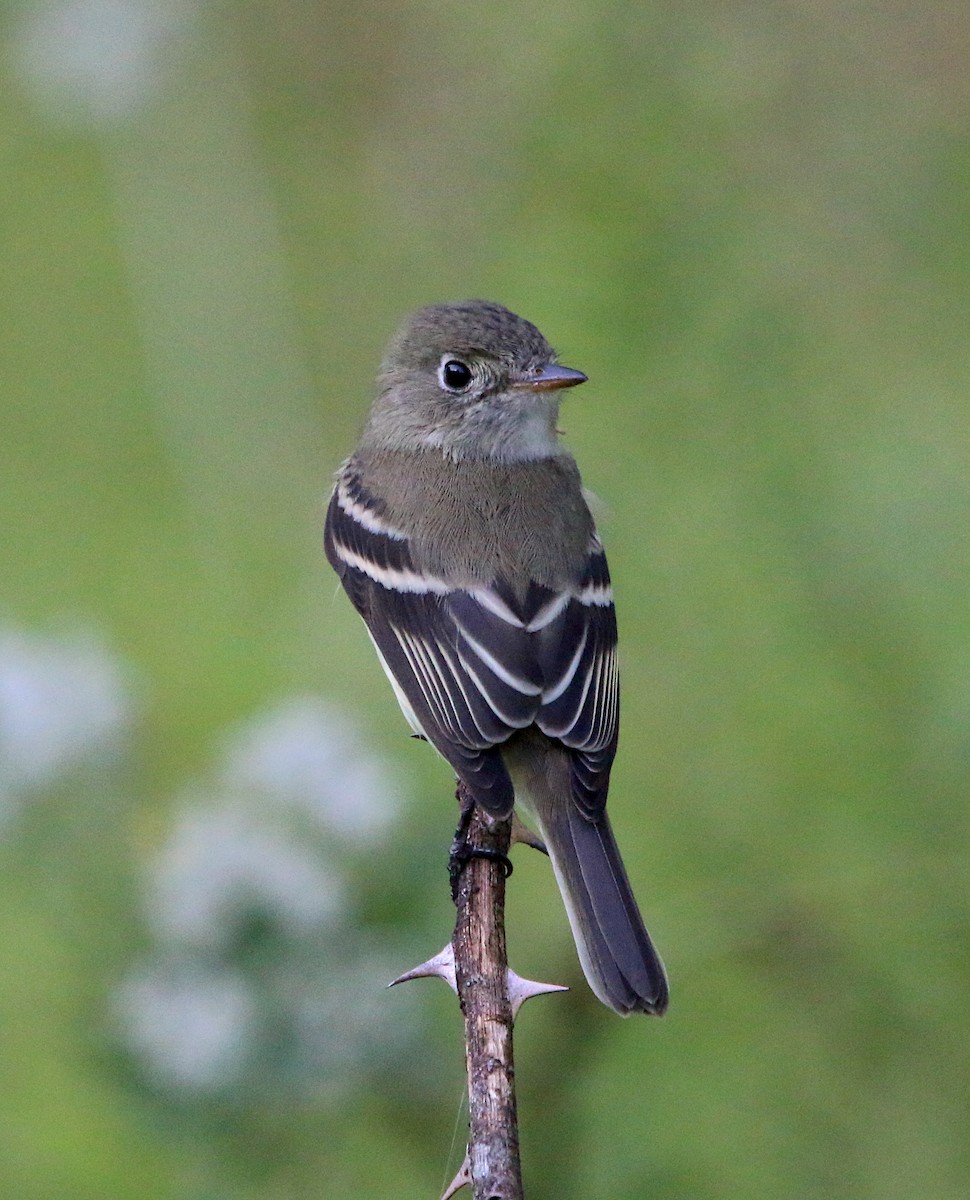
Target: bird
<point>461,532</point>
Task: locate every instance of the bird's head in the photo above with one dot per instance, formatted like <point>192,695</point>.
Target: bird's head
<point>473,380</point>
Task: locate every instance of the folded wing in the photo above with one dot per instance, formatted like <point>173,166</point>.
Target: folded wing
<point>471,666</point>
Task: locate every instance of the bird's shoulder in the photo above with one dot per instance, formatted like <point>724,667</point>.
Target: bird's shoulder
<point>475,520</point>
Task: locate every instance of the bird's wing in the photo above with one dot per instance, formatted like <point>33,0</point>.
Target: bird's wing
<point>581,699</point>
<point>466,678</point>
<point>470,666</point>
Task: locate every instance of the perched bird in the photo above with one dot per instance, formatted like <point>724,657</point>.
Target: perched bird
<point>460,532</point>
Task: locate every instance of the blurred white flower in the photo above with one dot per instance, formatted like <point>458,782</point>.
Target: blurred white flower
<point>226,861</point>
<point>308,756</point>
<point>346,1022</point>
<point>62,701</point>
<point>262,979</point>
<point>99,59</point>
<point>189,1025</point>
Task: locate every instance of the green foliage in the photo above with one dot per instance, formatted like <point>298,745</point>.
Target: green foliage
<point>748,225</point>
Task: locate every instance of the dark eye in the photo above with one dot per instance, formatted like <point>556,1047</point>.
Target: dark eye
<point>454,375</point>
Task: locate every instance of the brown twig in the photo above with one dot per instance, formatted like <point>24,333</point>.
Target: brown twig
<point>481,975</point>
<point>474,964</point>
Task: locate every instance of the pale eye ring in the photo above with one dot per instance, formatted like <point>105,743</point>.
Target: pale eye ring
<point>454,375</point>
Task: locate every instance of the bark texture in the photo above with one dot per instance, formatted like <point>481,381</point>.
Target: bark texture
<point>481,974</point>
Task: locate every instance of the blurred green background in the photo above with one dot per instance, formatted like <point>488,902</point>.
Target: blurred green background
<point>749,223</point>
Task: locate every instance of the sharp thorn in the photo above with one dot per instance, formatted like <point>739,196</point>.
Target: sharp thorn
<point>462,1179</point>
<point>523,834</point>
<point>520,989</point>
<point>442,966</point>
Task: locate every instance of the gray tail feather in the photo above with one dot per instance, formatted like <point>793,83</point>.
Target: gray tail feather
<point>618,958</point>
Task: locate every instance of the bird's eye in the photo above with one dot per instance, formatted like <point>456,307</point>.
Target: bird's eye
<point>454,375</point>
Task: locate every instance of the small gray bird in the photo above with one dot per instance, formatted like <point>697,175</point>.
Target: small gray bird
<point>460,532</point>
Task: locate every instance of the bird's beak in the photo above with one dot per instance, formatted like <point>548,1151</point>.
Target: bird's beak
<point>549,378</point>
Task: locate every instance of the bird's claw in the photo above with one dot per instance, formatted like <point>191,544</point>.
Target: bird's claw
<point>462,854</point>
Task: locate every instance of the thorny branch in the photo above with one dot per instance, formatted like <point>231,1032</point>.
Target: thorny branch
<point>475,965</point>
<point>481,975</point>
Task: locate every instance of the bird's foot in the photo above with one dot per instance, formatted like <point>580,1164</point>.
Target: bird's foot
<point>462,852</point>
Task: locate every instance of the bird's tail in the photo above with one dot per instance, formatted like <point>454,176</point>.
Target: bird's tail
<point>618,958</point>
